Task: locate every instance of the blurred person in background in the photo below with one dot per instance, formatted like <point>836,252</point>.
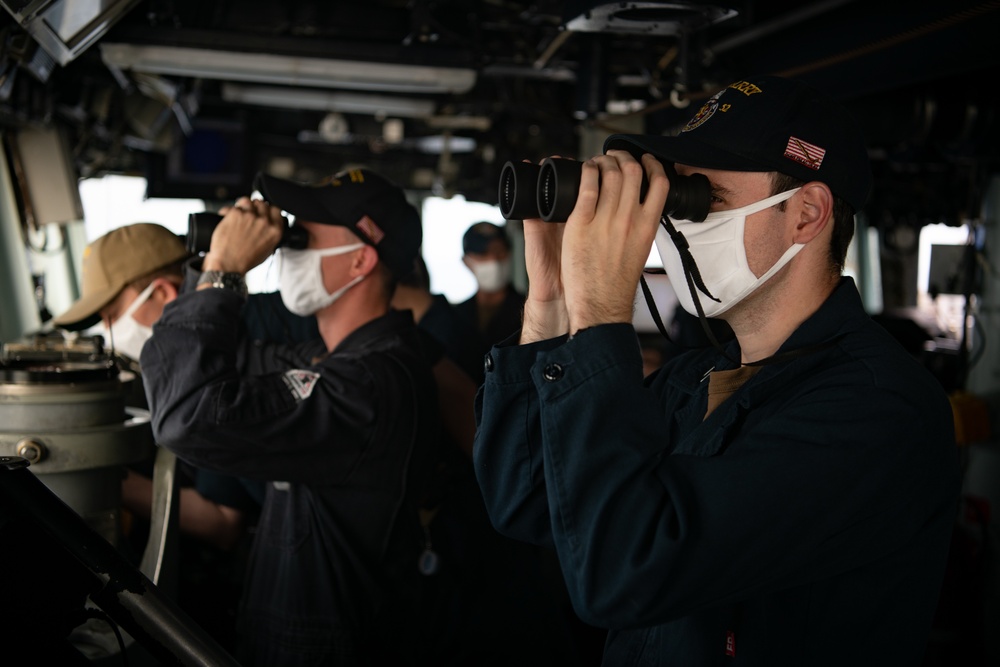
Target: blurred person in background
<point>494,311</point>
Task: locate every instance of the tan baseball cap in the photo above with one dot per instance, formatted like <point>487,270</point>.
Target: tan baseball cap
<point>116,259</point>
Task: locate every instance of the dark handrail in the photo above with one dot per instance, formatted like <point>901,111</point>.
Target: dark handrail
<point>118,588</point>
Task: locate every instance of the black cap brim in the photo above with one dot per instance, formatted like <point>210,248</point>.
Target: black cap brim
<point>683,149</point>
<point>296,199</point>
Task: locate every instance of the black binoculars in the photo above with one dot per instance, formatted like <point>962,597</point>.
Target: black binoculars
<point>549,191</point>
<point>201,226</point>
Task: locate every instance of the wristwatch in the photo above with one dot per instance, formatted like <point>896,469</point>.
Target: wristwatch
<point>222,280</point>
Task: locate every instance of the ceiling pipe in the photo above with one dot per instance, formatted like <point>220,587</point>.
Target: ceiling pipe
<point>551,49</point>
<point>764,29</point>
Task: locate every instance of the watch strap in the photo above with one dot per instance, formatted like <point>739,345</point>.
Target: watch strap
<point>223,280</point>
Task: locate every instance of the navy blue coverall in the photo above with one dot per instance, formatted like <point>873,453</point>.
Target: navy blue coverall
<point>805,521</point>
<point>345,439</point>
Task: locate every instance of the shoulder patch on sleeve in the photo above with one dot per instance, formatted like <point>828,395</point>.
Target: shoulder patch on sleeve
<point>300,383</point>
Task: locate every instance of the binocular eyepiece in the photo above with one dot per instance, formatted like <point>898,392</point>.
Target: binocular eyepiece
<point>549,191</point>
<point>201,226</point>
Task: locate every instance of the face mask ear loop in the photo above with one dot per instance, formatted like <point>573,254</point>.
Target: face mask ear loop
<point>694,279</point>
<point>134,306</point>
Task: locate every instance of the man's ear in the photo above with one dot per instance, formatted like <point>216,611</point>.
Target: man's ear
<point>164,290</point>
<point>365,261</point>
<point>814,212</point>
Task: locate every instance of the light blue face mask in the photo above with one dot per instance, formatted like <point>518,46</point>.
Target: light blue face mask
<point>301,278</point>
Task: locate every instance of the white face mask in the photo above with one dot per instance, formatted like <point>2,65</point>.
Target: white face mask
<point>126,335</point>
<point>492,275</point>
<point>720,255</point>
<point>301,278</point>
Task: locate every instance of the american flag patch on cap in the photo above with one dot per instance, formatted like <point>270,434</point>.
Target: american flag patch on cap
<point>372,231</point>
<point>804,153</point>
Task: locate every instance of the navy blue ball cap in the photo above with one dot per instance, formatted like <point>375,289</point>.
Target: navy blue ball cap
<point>769,123</point>
<point>478,237</point>
<point>368,204</point>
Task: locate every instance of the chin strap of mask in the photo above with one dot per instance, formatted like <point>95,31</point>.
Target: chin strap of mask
<point>694,280</point>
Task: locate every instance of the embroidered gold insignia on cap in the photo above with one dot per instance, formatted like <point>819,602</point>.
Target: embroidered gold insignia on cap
<point>706,111</point>
<point>746,88</point>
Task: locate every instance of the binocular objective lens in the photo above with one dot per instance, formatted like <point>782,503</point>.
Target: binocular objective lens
<point>549,191</point>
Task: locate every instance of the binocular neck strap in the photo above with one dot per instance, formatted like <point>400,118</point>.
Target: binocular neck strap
<point>777,358</point>
<point>694,280</point>
<point>691,272</point>
<point>655,313</point>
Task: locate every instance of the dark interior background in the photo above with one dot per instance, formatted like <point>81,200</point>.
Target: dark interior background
<point>920,76</point>
<point>549,77</point>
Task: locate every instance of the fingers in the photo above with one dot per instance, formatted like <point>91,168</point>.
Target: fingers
<point>609,235</point>
<point>621,177</point>
<point>616,184</point>
<point>634,176</point>
<point>659,185</point>
<point>611,186</point>
<point>246,212</point>
<point>589,196</point>
<point>246,235</point>
<point>275,215</point>
<point>244,204</point>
